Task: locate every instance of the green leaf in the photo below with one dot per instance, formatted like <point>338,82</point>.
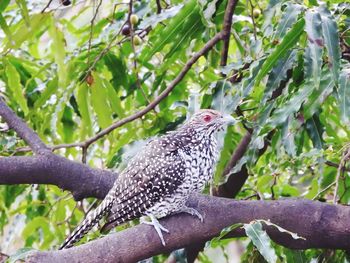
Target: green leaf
<point>14,84</point>
<point>58,51</point>
<point>292,105</point>
<point>99,100</point>
<point>208,9</point>
<point>331,38</point>
<point>154,19</point>
<point>260,240</point>
<point>318,95</point>
<point>215,242</point>
<point>178,27</point>
<point>114,100</point>
<point>118,69</point>
<point>47,93</point>
<point>24,32</point>
<point>20,254</point>
<point>288,139</point>
<point>42,223</point>
<point>24,10</point>
<point>344,96</point>
<point>5,27</point>
<point>281,229</point>
<point>289,17</point>
<point>315,129</point>
<point>313,52</point>
<point>278,74</point>
<point>280,51</point>
<point>3,5</point>
<point>83,97</point>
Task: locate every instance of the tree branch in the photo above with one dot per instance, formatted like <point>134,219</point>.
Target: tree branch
<point>226,30</point>
<point>22,129</point>
<point>77,178</point>
<point>322,225</point>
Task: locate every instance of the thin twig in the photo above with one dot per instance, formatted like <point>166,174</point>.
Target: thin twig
<point>252,16</point>
<point>323,190</point>
<point>132,34</point>
<point>103,52</point>
<point>345,157</point>
<point>46,7</point>
<point>336,165</point>
<point>84,154</point>
<point>92,29</point>
<point>159,7</point>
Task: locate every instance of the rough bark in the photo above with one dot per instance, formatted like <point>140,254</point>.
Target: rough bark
<point>77,178</point>
<point>322,225</point>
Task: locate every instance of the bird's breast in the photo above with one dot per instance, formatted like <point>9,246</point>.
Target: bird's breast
<point>200,162</point>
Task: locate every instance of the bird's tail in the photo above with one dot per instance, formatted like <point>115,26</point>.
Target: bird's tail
<point>87,224</point>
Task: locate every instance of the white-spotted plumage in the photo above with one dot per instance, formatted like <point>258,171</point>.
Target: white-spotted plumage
<point>159,179</point>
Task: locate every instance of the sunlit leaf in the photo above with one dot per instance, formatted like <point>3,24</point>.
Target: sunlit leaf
<point>261,241</point>
<point>98,100</point>
<point>14,84</point>
<point>83,98</point>
<point>23,32</point>
<point>5,27</point>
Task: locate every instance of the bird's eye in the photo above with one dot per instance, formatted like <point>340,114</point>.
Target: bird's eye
<point>207,118</point>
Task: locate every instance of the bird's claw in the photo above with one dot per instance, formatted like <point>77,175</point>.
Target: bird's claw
<point>157,226</point>
<point>192,211</point>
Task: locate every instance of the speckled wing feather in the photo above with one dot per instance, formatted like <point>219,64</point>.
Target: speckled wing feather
<point>152,175</point>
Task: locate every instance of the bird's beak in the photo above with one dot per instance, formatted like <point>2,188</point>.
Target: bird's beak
<point>229,120</point>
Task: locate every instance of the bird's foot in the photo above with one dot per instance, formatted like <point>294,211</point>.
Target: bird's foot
<point>191,211</point>
<point>157,226</point>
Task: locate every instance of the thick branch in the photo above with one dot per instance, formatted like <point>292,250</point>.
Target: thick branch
<point>21,128</point>
<point>78,178</point>
<point>322,225</point>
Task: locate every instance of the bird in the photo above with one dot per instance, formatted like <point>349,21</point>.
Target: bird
<point>158,180</point>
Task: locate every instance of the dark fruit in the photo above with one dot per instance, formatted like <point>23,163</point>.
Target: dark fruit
<point>126,30</point>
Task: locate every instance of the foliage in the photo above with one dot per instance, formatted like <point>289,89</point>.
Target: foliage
<point>70,74</point>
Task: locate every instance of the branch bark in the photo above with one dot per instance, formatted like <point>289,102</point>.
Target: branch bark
<point>77,178</point>
<point>322,225</point>
<point>226,30</point>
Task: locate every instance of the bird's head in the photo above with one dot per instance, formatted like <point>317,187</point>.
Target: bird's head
<point>210,121</point>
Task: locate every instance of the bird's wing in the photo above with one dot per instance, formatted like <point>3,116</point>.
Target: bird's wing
<point>153,174</point>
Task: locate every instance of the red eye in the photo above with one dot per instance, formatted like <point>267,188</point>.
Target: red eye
<point>207,118</point>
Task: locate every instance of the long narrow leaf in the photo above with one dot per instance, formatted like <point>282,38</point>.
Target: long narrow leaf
<point>344,95</point>
<point>313,52</point>
<point>288,42</point>
<point>331,38</point>
<point>261,241</point>
<point>14,84</point>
